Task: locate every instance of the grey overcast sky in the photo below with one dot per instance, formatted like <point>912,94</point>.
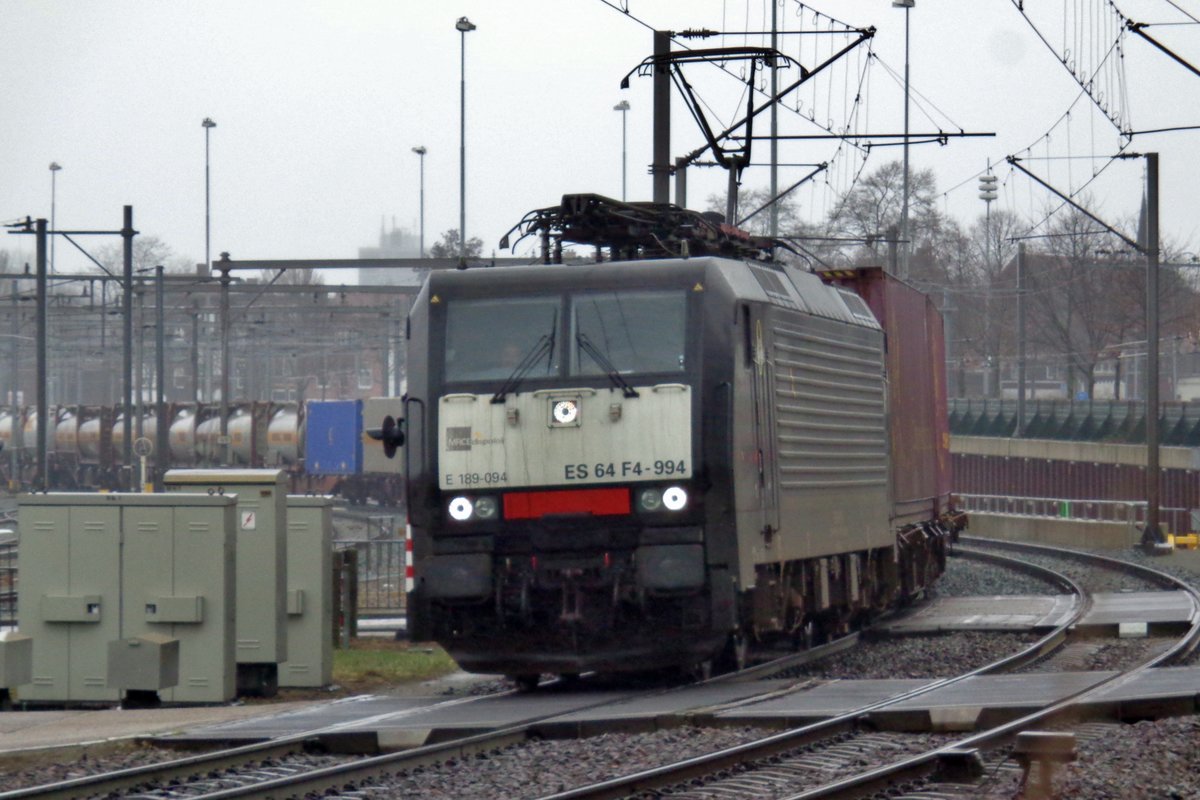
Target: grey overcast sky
<point>318,105</point>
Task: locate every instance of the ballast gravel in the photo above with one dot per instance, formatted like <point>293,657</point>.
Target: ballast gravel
<point>1146,760</point>
<point>968,577</point>
<point>546,767</point>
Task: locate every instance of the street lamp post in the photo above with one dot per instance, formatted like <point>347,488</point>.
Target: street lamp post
<point>223,441</point>
<point>904,246</point>
<point>463,26</point>
<point>208,125</point>
<point>420,151</point>
<point>54,168</point>
<point>623,107</point>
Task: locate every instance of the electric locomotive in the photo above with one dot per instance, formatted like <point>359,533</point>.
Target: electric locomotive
<point>627,465</point>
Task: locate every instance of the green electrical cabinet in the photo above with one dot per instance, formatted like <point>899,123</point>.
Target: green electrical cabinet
<point>68,597</point>
<point>193,601</point>
<point>261,571</point>
<point>97,568</point>
<point>309,592</point>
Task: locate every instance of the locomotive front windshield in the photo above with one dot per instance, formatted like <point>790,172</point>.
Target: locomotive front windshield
<point>627,332</point>
<point>488,339</point>
<point>633,331</point>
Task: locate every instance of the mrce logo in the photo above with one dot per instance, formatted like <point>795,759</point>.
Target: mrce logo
<point>463,438</point>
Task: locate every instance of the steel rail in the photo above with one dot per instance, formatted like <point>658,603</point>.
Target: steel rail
<point>670,774</point>
<point>907,769</point>
<point>335,777</point>
<point>340,775</point>
<point>323,739</point>
<point>927,763</point>
<point>111,783</point>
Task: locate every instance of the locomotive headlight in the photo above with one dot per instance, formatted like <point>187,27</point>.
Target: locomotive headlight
<point>461,508</point>
<point>486,507</point>
<point>675,498</point>
<point>565,412</point>
<point>649,499</point>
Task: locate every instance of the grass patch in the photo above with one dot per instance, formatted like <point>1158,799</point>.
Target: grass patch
<point>374,662</point>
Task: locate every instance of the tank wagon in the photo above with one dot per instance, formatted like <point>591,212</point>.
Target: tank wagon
<point>628,465</point>
<point>87,443</point>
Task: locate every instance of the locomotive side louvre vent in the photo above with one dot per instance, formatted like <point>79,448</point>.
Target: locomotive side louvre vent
<point>829,410</point>
<point>772,283</point>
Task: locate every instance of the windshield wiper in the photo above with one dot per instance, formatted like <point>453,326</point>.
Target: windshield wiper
<point>544,346</point>
<point>585,344</point>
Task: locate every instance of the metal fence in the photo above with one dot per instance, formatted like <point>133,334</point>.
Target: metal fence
<point>1174,520</point>
<point>378,581</point>
<point>380,573</point>
<point>8,585</point>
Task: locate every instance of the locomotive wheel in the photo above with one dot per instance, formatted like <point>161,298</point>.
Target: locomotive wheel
<point>526,682</point>
<point>739,648</point>
<point>807,636</point>
<point>735,653</point>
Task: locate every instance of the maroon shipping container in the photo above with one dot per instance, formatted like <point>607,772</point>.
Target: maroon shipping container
<point>917,408</point>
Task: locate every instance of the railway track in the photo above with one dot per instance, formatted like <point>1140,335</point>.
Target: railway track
<point>840,757</point>
<point>310,760</point>
<point>307,764</point>
<point>953,767</point>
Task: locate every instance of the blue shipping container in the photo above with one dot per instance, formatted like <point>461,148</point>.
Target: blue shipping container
<point>333,437</point>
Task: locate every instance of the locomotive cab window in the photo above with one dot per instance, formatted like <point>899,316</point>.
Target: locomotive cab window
<point>628,332</point>
<point>490,339</point>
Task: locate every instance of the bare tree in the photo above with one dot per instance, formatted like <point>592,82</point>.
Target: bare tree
<point>148,252</point>
<point>448,246</point>
<point>1080,301</point>
<point>809,241</point>
<point>987,308</point>
<point>874,205</point>
<point>750,201</point>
